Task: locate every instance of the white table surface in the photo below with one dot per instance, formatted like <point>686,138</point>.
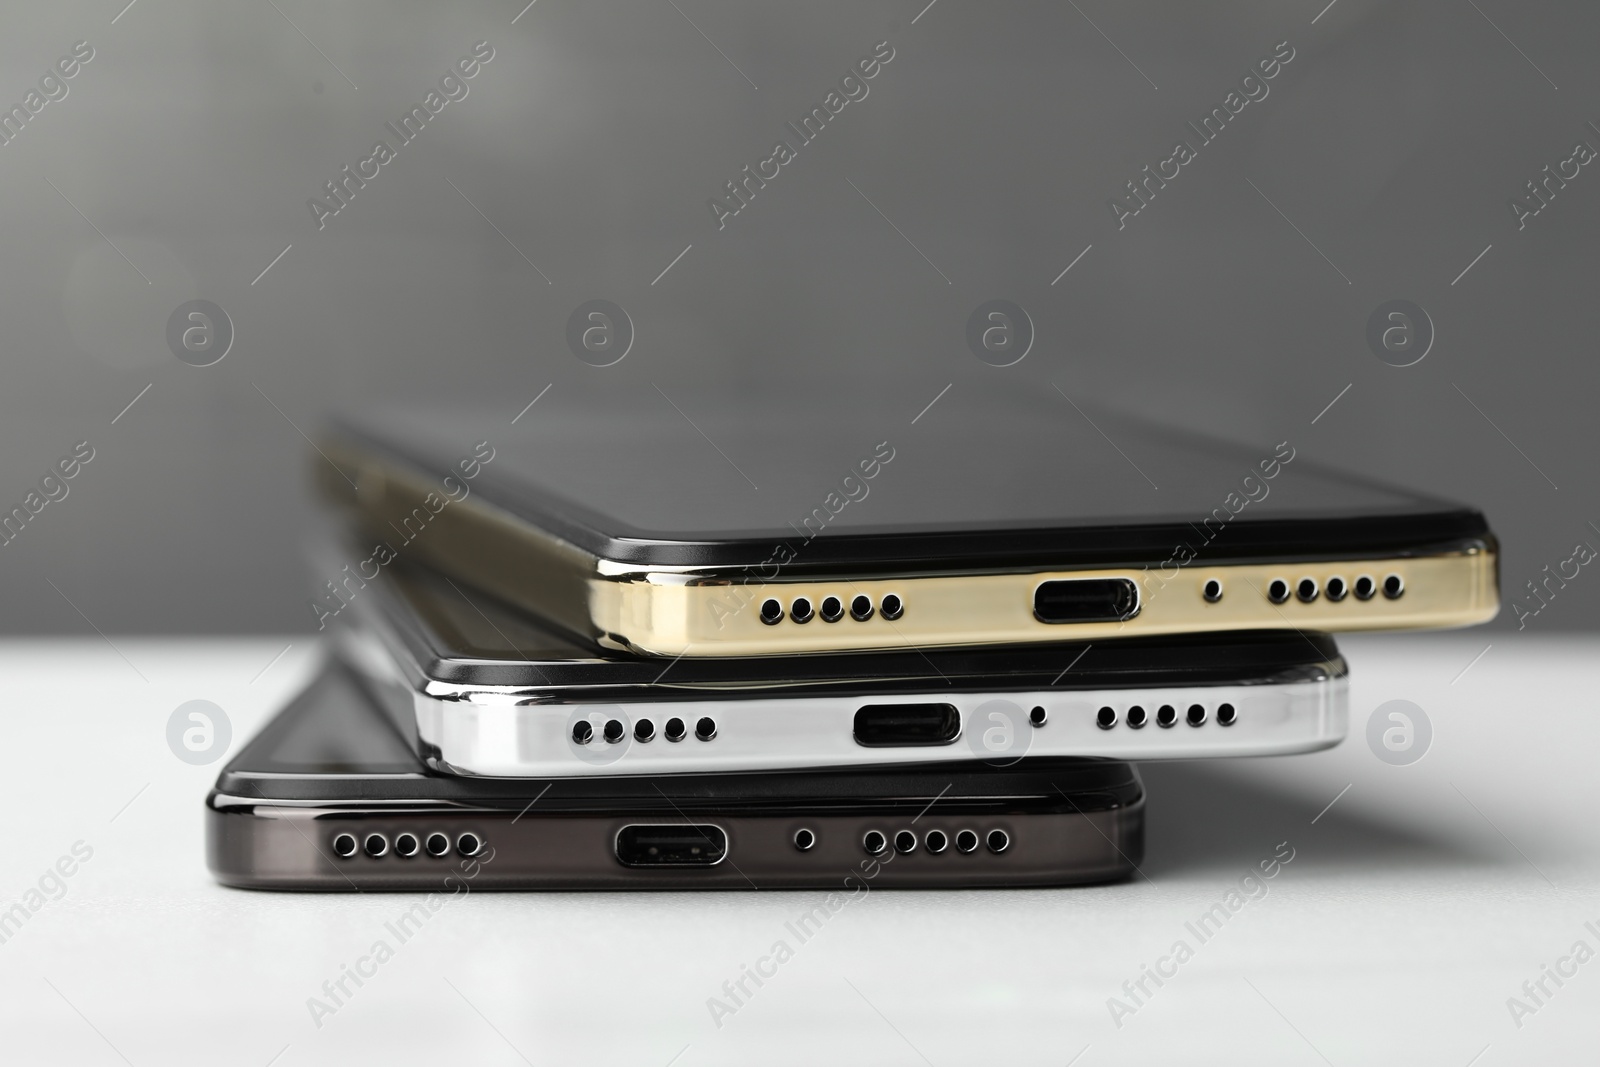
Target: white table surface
<point>1397,934</point>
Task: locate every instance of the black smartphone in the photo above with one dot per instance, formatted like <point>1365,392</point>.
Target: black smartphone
<point>811,526</point>
<point>330,797</point>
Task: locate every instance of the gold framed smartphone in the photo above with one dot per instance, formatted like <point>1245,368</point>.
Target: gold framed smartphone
<point>641,537</point>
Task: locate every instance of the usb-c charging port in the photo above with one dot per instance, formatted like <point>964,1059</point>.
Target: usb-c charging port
<point>1086,600</point>
<point>890,725</point>
<point>700,845</point>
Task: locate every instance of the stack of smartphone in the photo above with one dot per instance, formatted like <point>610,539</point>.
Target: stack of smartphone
<point>574,658</point>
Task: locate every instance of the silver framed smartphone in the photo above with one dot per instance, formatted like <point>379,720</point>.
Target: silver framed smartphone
<point>485,690</point>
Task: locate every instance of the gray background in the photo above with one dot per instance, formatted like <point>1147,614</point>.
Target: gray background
<point>594,137</point>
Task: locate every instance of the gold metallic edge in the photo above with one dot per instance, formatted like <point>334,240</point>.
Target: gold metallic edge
<point>1442,591</point>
